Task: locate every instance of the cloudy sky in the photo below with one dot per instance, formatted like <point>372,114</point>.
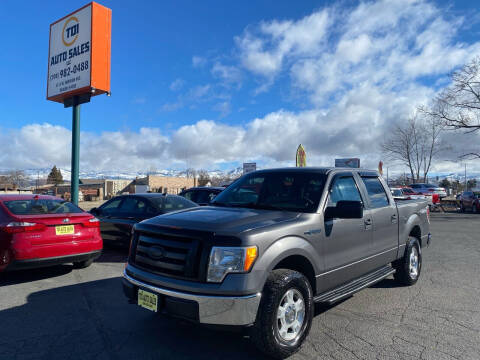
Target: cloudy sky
<point>207,84</point>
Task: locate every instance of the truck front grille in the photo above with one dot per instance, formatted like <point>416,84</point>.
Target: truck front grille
<point>167,255</point>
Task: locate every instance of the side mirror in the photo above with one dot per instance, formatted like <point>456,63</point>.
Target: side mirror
<point>94,211</point>
<point>345,210</point>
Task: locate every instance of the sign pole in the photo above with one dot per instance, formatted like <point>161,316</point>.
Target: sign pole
<point>75,150</point>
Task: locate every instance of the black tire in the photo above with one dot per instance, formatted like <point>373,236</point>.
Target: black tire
<point>265,333</point>
<point>462,208</point>
<point>404,274</point>
<point>82,264</point>
<point>474,208</point>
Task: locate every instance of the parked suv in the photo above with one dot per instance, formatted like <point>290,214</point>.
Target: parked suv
<point>271,245</point>
<point>202,195</point>
<point>469,200</point>
<point>429,189</point>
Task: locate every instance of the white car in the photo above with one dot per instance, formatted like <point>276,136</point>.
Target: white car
<point>429,189</point>
<point>405,194</point>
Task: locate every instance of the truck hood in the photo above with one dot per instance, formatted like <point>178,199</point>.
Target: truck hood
<point>221,219</point>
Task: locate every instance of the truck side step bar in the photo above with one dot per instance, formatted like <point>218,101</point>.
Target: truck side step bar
<point>352,287</point>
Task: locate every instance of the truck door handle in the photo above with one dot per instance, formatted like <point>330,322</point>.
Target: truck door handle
<point>394,218</point>
<point>368,221</point>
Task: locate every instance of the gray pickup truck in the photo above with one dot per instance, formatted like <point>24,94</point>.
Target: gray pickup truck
<point>271,245</point>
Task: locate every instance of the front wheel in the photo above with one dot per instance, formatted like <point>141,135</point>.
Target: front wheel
<point>285,314</point>
<point>408,268</point>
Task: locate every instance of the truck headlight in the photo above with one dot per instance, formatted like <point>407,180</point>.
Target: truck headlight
<point>225,260</point>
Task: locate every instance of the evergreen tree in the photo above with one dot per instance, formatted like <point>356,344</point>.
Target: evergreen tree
<point>55,176</point>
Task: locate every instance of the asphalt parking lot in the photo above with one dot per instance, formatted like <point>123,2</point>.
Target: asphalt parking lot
<point>61,313</point>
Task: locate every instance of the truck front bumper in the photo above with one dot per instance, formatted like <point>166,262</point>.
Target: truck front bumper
<point>206,309</point>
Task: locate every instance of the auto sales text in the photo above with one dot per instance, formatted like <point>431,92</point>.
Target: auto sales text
<point>70,54</point>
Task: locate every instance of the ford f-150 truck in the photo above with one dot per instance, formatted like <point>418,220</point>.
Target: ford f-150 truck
<point>271,245</point>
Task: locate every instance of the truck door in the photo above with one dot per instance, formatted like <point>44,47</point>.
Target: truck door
<point>347,241</point>
<point>385,221</point>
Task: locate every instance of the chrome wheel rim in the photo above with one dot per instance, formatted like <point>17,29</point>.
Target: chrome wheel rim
<point>413,263</point>
<point>290,315</point>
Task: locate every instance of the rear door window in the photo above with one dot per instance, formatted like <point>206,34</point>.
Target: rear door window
<point>376,193</point>
<point>204,197</point>
<point>172,203</point>
<point>132,206</point>
<point>111,207</point>
<point>190,195</point>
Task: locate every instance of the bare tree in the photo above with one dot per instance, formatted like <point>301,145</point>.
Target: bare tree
<point>415,144</point>
<point>203,177</point>
<point>17,178</point>
<point>458,105</point>
<point>190,173</point>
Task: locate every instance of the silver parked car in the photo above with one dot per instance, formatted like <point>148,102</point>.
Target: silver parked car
<point>429,189</point>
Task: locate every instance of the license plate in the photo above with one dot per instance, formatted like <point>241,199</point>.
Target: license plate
<point>64,230</point>
<point>147,300</point>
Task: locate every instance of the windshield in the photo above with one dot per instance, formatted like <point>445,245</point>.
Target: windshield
<point>408,191</point>
<point>41,206</point>
<point>397,192</point>
<point>290,191</point>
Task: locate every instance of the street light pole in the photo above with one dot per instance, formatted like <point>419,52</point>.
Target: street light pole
<point>75,150</point>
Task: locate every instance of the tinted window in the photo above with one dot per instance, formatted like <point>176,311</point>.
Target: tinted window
<point>284,190</point>
<point>174,203</point>
<point>397,192</point>
<point>408,191</point>
<point>376,192</point>
<point>415,186</point>
<point>132,205</point>
<point>343,188</point>
<point>111,206</point>
<point>205,196</point>
<point>189,195</point>
<point>41,206</point>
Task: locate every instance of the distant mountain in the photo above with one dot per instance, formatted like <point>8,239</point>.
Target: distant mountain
<point>34,174</point>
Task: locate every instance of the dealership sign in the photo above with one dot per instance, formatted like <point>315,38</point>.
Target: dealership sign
<point>349,162</point>
<point>249,167</point>
<point>79,53</point>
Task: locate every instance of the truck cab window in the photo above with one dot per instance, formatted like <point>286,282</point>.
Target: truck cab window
<point>376,192</point>
<point>343,188</point>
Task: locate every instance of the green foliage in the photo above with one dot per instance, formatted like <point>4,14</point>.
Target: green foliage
<point>55,176</point>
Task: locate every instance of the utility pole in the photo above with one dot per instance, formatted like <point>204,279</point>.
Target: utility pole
<point>75,150</point>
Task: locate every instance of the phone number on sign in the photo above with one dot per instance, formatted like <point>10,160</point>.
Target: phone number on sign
<point>65,72</point>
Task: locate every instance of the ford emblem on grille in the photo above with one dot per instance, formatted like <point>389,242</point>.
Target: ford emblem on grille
<point>156,252</point>
<point>66,220</point>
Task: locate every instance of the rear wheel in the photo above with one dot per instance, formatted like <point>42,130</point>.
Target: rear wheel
<point>285,314</point>
<point>408,268</point>
<point>82,264</point>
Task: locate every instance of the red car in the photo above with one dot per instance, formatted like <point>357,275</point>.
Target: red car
<point>41,230</point>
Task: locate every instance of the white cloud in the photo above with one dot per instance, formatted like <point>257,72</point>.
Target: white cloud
<point>230,75</point>
<point>198,61</point>
<point>177,84</point>
<point>224,108</point>
<point>263,49</point>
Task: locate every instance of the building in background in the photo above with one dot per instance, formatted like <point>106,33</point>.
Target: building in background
<point>161,184</point>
